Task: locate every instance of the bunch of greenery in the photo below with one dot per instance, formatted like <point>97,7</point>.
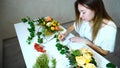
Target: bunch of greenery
<point>42,61</point>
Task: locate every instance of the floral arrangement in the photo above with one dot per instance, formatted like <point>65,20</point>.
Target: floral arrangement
<point>82,58</point>
<point>45,26</point>
<point>49,25</point>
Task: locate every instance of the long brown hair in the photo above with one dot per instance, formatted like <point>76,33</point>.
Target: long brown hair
<point>100,13</point>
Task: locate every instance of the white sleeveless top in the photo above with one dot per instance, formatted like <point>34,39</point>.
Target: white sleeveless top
<point>105,38</point>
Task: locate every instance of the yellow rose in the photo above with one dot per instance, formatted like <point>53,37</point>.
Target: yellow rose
<point>90,65</point>
<point>88,57</point>
<point>54,24</point>
<point>85,50</point>
<point>80,60</point>
<point>52,28</point>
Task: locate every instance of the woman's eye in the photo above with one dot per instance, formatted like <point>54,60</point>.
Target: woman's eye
<point>83,12</point>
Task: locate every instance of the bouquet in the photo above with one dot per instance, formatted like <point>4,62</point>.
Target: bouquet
<point>82,58</point>
<point>42,27</point>
<point>49,25</point>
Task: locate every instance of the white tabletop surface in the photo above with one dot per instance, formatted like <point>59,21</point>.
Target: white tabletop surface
<point>30,54</point>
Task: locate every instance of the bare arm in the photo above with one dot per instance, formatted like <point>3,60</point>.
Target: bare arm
<point>62,36</point>
<point>90,44</point>
<point>97,48</point>
<point>69,30</point>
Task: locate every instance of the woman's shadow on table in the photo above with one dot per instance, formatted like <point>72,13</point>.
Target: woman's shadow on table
<point>115,57</point>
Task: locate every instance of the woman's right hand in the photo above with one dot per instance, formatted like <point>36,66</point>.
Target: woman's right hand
<point>61,37</point>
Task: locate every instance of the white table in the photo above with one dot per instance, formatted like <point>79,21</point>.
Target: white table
<point>30,54</point>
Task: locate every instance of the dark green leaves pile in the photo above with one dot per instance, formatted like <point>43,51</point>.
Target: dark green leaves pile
<point>62,48</point>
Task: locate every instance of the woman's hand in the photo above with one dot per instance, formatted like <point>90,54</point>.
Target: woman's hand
<point>79,39</point>
<point>61,37</point>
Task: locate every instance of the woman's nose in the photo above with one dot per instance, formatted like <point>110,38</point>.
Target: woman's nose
<point>81,15</point>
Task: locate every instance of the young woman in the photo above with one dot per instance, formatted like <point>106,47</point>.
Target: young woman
<point>95,27</point>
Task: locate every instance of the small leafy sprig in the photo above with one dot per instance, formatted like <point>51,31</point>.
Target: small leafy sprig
<point>31,29</point>
<point>62,48</point>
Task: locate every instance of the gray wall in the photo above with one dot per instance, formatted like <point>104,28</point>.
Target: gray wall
<point>11,12</point>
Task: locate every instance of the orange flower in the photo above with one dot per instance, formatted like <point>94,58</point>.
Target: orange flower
<point>48,18</point>
<point>57,28</point>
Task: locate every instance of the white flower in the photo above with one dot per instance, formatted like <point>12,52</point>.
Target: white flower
<point>48,24</point>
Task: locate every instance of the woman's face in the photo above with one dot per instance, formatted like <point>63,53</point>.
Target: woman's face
<point>85,13</point>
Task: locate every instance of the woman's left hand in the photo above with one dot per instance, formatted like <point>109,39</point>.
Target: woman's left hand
<point>79,39</point>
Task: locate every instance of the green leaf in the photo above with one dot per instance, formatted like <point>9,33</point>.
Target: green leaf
<point>30,30</point>
<point>76,53</point>
<point>93,61</point>
<point>62,51</point>
<point>72,59</point>
<point>110,65</point>
<point>24,20</point>
<point>32,34</point>
<point>40,40</point>
<point>54,63</point>
<point>39,33</point>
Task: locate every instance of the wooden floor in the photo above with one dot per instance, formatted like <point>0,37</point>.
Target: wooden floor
<point>13,58</point>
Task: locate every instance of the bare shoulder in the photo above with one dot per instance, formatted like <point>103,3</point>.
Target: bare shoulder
<point>109,23</point>
<point>105,22</point>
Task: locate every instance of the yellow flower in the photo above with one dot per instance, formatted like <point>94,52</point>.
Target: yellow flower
<point>85,50</point>
<point>58,24</point>
<point>88,57</point>
<point>54,24</point>
<point>52,28</point>
<point>80,60</point>
<point>90,65</point>
<point>43,23</point>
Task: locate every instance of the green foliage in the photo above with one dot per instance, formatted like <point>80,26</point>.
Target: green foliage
<point>31,29</point>
<point>62,48</point>
<point>93,61</point>
<point>42,61</point>
<point>53,63</point>
<point>110,65</point>
<point>72,59</point>
<point>71,56</point>
<point>76,53</point>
